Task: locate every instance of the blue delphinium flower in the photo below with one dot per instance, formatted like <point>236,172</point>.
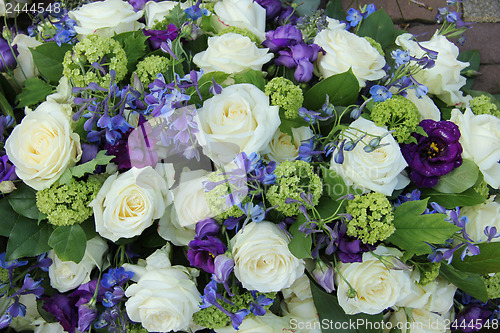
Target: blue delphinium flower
<point>353,17</point>
<point>380,93</point>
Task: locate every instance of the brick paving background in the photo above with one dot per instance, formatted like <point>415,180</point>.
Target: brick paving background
<point>418,17</point>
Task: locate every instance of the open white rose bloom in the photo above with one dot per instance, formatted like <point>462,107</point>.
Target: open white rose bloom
<point>254,166</point>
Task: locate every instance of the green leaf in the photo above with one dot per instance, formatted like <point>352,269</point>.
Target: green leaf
<point>329,310</point>
<point>23,201</point>
<point>306,7</point>
<point>88,227</point>
<point>28,239</point>
<point>487,261</point>
<point>335,10</point>
<point>134,45</point>
<point>333,184</point>
<point>342,90</point>
<point>7,90</point>
<point>89,167</point>
<point>414,229</point>
<point>460,179</point>
<point>474,60</point>
<point>69,242</point>
<point>34,92</point>
<point>5,106</point>
<point>300,245</point>
<point>254,77</point>
<point>467,198</point>
<point>9,218</point>
<point>48,58</point>
<point>65,178</point>
<point>287,125</point>
<point>468,282</point>
<point>204,84</point>
<point>378,26</point>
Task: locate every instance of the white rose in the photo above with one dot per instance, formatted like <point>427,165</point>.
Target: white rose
<point>2,8</point>
<point>346,50</point>
<point>379,170</point>
<point>418,295</point>
<point>68,275</point>
<point>481,216</point>
<point>106,18</point>
<point>156,11</point>
<point>377,287</point>
<point>268,323</point>
<point>163,300</point>
<point>189,206</point>
<point>231,53</point>
<point>441,299</point>
<point>444,79</point>
<point>420,321</point>
<point>43,146</point>
<point>129,203</point>
<point>63,94</point>
<point>299,305</point>
<point>281,148</point>
<point>26,68</point>
<point>262,260</point>
<point>239,119</point>
<point>480,140</point>
<point>425,106</point>
<point>27,322</point>
<point>246,14</point>
<point>44,327</point>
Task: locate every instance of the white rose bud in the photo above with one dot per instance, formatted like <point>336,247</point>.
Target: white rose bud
<point>231,53</point>
<point>26,67</point>
<point>43,146</point>
<point>246,14</point>
<point>344,51</point>
<point>67,275</point>
<point>128,203</point>
<point>106,18</point>
<point>262,260</point>
<point>281,148</point>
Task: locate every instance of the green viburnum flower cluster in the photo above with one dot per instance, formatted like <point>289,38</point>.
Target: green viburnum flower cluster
<point>294,178</point>
<point>213,318</point>
<point>241,31</point>
<point>68,204</point>
<point>429,272</point>
<point>150,67</point>
<point>286,95</point>
<point>376,45</point>
<point>398,114</point>
<point>216,198</point>
<point>94,48</point>
<point>482,105</point>
<point>482,189</point>
<point>372,217</point>
<point>492,284</point>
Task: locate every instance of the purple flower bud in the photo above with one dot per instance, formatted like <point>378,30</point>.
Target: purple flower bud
<point>207,227</point>
<point>223,267</point>
<point>7,59</point>
<point>324,274</point>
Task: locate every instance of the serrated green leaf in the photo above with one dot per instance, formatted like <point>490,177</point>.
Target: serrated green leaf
<point>23,201</point>
<point>342,89</point>
<point>335,10</point>
<point>379,27</point>
<point>328,308</point>
<point>27,238</point>
<point>69,242</point>
<point>48,58</point>
<point>300,245</point>
<point>134,45</point>
<point>413,230</point>
<point>34,92</point>
<point>460,179</point>
<point>487,261</point>
<point>253,77</point>
<point>65,178</point>
<point>89,167</point>
<point>468,282</point>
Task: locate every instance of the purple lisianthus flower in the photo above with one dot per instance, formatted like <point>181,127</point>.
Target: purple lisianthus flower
<point>301,57</point>
<point>139,4</point>
<point>156,37</point>
<point>120,151</point>
<point>206,227</point>
<point>350,249</point>
<point>6,169</point>
<point>284,36</point>
<point>435,155</point>
<point>7,59</point>
<point>272,7</point>
<point>472,318</point>
<point>202,252</point>
<point>62,307</point>
<point>287,15</point>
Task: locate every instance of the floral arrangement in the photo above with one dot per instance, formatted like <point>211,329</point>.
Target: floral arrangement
<point>251,166</point>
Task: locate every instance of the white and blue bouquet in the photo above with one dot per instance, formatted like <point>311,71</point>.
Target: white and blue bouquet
<point>238,165</point>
